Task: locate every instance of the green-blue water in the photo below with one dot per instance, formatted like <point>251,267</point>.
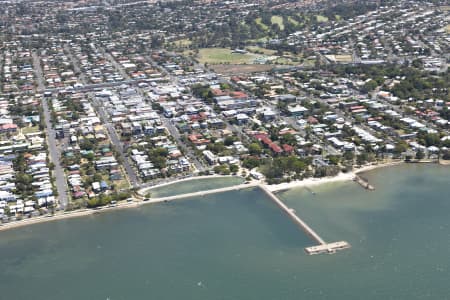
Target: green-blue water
<point>239,245</point>
<point>189,186</point>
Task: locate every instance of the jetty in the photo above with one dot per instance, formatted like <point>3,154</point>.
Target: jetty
<point>322,247</point>
<point>363,182</point>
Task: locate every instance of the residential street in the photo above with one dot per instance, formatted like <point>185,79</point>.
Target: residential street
<point>115,140</point>
<point>60,179</point>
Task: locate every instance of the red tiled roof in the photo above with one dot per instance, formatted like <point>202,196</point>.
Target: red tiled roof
<point>239,95</point>
<point>194,137</point>
<point>312,120</point>
<point>288,148</point>
<point>218,92</point>
<point>275,148</point>
<point>259,136</point>
<point>8,126</point>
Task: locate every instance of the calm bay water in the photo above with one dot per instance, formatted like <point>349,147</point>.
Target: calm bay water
<point>239,245</point>
<point>195,185</point>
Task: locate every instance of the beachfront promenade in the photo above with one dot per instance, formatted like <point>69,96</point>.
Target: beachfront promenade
<point>321,247</point>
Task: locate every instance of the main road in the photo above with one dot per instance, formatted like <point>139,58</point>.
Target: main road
<point>60,179</point>
<point>115,140</point>
<point>170,127</point>
<point>76,65</point>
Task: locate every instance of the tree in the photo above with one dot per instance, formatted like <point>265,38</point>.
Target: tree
<point>288,139</point>
<point>251,163</point>
<point>254,149</point>
<point>349,155</point>
<point>334,159</point>
<point>362,158</point>
<point>229,140</point>
<point>401,147</point>
<point>222,169</point>
<point>86,144</point>
<point>432,139</point>
<point>417,63</point>
<point>369,86</point>
<point>234,169</point>
<point>93,202</point>
<point>420,154</point>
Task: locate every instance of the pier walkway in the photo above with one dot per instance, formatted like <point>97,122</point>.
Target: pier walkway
<point>308,230</point>
<point>322,247</point>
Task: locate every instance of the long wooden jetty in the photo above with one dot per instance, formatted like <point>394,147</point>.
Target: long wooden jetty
<point>321,247</point>
<point>308,230</point>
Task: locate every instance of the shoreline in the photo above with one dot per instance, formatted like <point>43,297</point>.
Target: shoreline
<point>66,215</point>
<point>324,180</point>
<point>309,182</point>
<point>377,166</point>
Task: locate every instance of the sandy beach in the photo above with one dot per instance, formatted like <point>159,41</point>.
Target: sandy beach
<point>377,166</point>
<point>66,215</point>
<point>309,182</point>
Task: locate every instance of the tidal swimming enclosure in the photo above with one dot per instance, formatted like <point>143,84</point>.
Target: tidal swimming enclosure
<point>321,247</point>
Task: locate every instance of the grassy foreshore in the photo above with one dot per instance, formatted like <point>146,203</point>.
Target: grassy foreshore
<point>137,202</point>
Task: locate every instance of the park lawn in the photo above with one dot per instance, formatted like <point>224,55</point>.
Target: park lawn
<point>259,22</point>
<point>224,56</point>
<point>30,129</point>
<point>321,18</point>
<point>121,184</point>
<point>278,20</point>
